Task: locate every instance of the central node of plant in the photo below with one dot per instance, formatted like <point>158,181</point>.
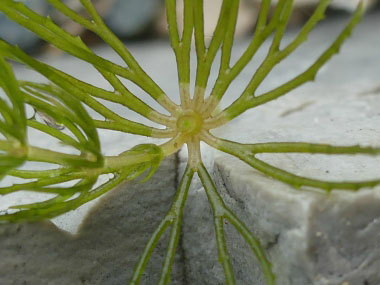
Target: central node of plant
<point>189,122</point>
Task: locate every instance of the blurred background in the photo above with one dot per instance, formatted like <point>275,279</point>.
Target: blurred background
<point>139,20</point>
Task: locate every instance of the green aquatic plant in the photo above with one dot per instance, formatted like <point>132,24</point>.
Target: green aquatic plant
<point>62,100</point>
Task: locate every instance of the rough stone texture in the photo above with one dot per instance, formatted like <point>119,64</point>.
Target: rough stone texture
<point>311,237</point>
<point>108,244</point>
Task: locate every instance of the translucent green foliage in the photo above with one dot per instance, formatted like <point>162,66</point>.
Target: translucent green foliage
<point>69,198</point>
<point>12,119</point>
<point>63,100</point>
<point>151,150</point>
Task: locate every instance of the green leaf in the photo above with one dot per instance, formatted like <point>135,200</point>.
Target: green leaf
<point>8,162</point>
<point>74,87</point>
<point>14,125</point>
<point>53,207</point>
<point>15,120</point>
<point>157,156</point>
<point>68,111</point>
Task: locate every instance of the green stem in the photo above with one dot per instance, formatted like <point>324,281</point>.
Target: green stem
<point>181,47</point>
<point>223,252</point>
<point>176,216</point>
<point>132,102</point>
<point>37,185</point>
<point>137,129</point>
<point>115,163</point>
<point>244,152</point>
<point>247,102</point>
<point>173,218</point>
<point>54,133</point>
<point>56,77</point>
<point>59,114</point>
<point>49,156</point>
<point>127,99</point>
<point>14,117</point>
<point>255,246</point>
<point>39,154</point>
<point>200,48</point>
<point>50,32</point>
<point>47,30</point>
<point>199,33</point>
<point>220,212</point>
<point>151,245</point>
<point>6,112</point>
<point>142,78</point>
<point>9,146</point>
<point>275,56</point>
<point>229,37</point>
<point>218,208</point>
<point>298,147</point>
<point>30,174</point>
<point>299,181</point>
<point>104,188</point>
<point>205,62</point>
<point>263,31</point>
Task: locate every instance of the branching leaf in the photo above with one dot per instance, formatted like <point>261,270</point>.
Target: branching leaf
<point>14,125</point>
<point>156,157</point>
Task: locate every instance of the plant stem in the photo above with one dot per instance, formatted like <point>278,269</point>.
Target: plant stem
<point>151,245</point>
<point>220,212</point>
<point>255,246</point>
<point>39,184</point>
<point>143,79</point>
<point>244,152</point>
<point>114,163</point>
<point>181,47</point>
<point>205,61</point>
<point>173,218</point>
<point>224,257</point>
<point>176,212</point>
<point>137,129</point>
<point>247,101</point>
<point>262,32</point>
<point>30,174</point>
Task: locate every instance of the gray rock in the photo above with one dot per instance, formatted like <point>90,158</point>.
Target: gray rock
<point>107,246</point>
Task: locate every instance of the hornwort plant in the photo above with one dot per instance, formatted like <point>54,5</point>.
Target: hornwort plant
<point>188,123</point>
